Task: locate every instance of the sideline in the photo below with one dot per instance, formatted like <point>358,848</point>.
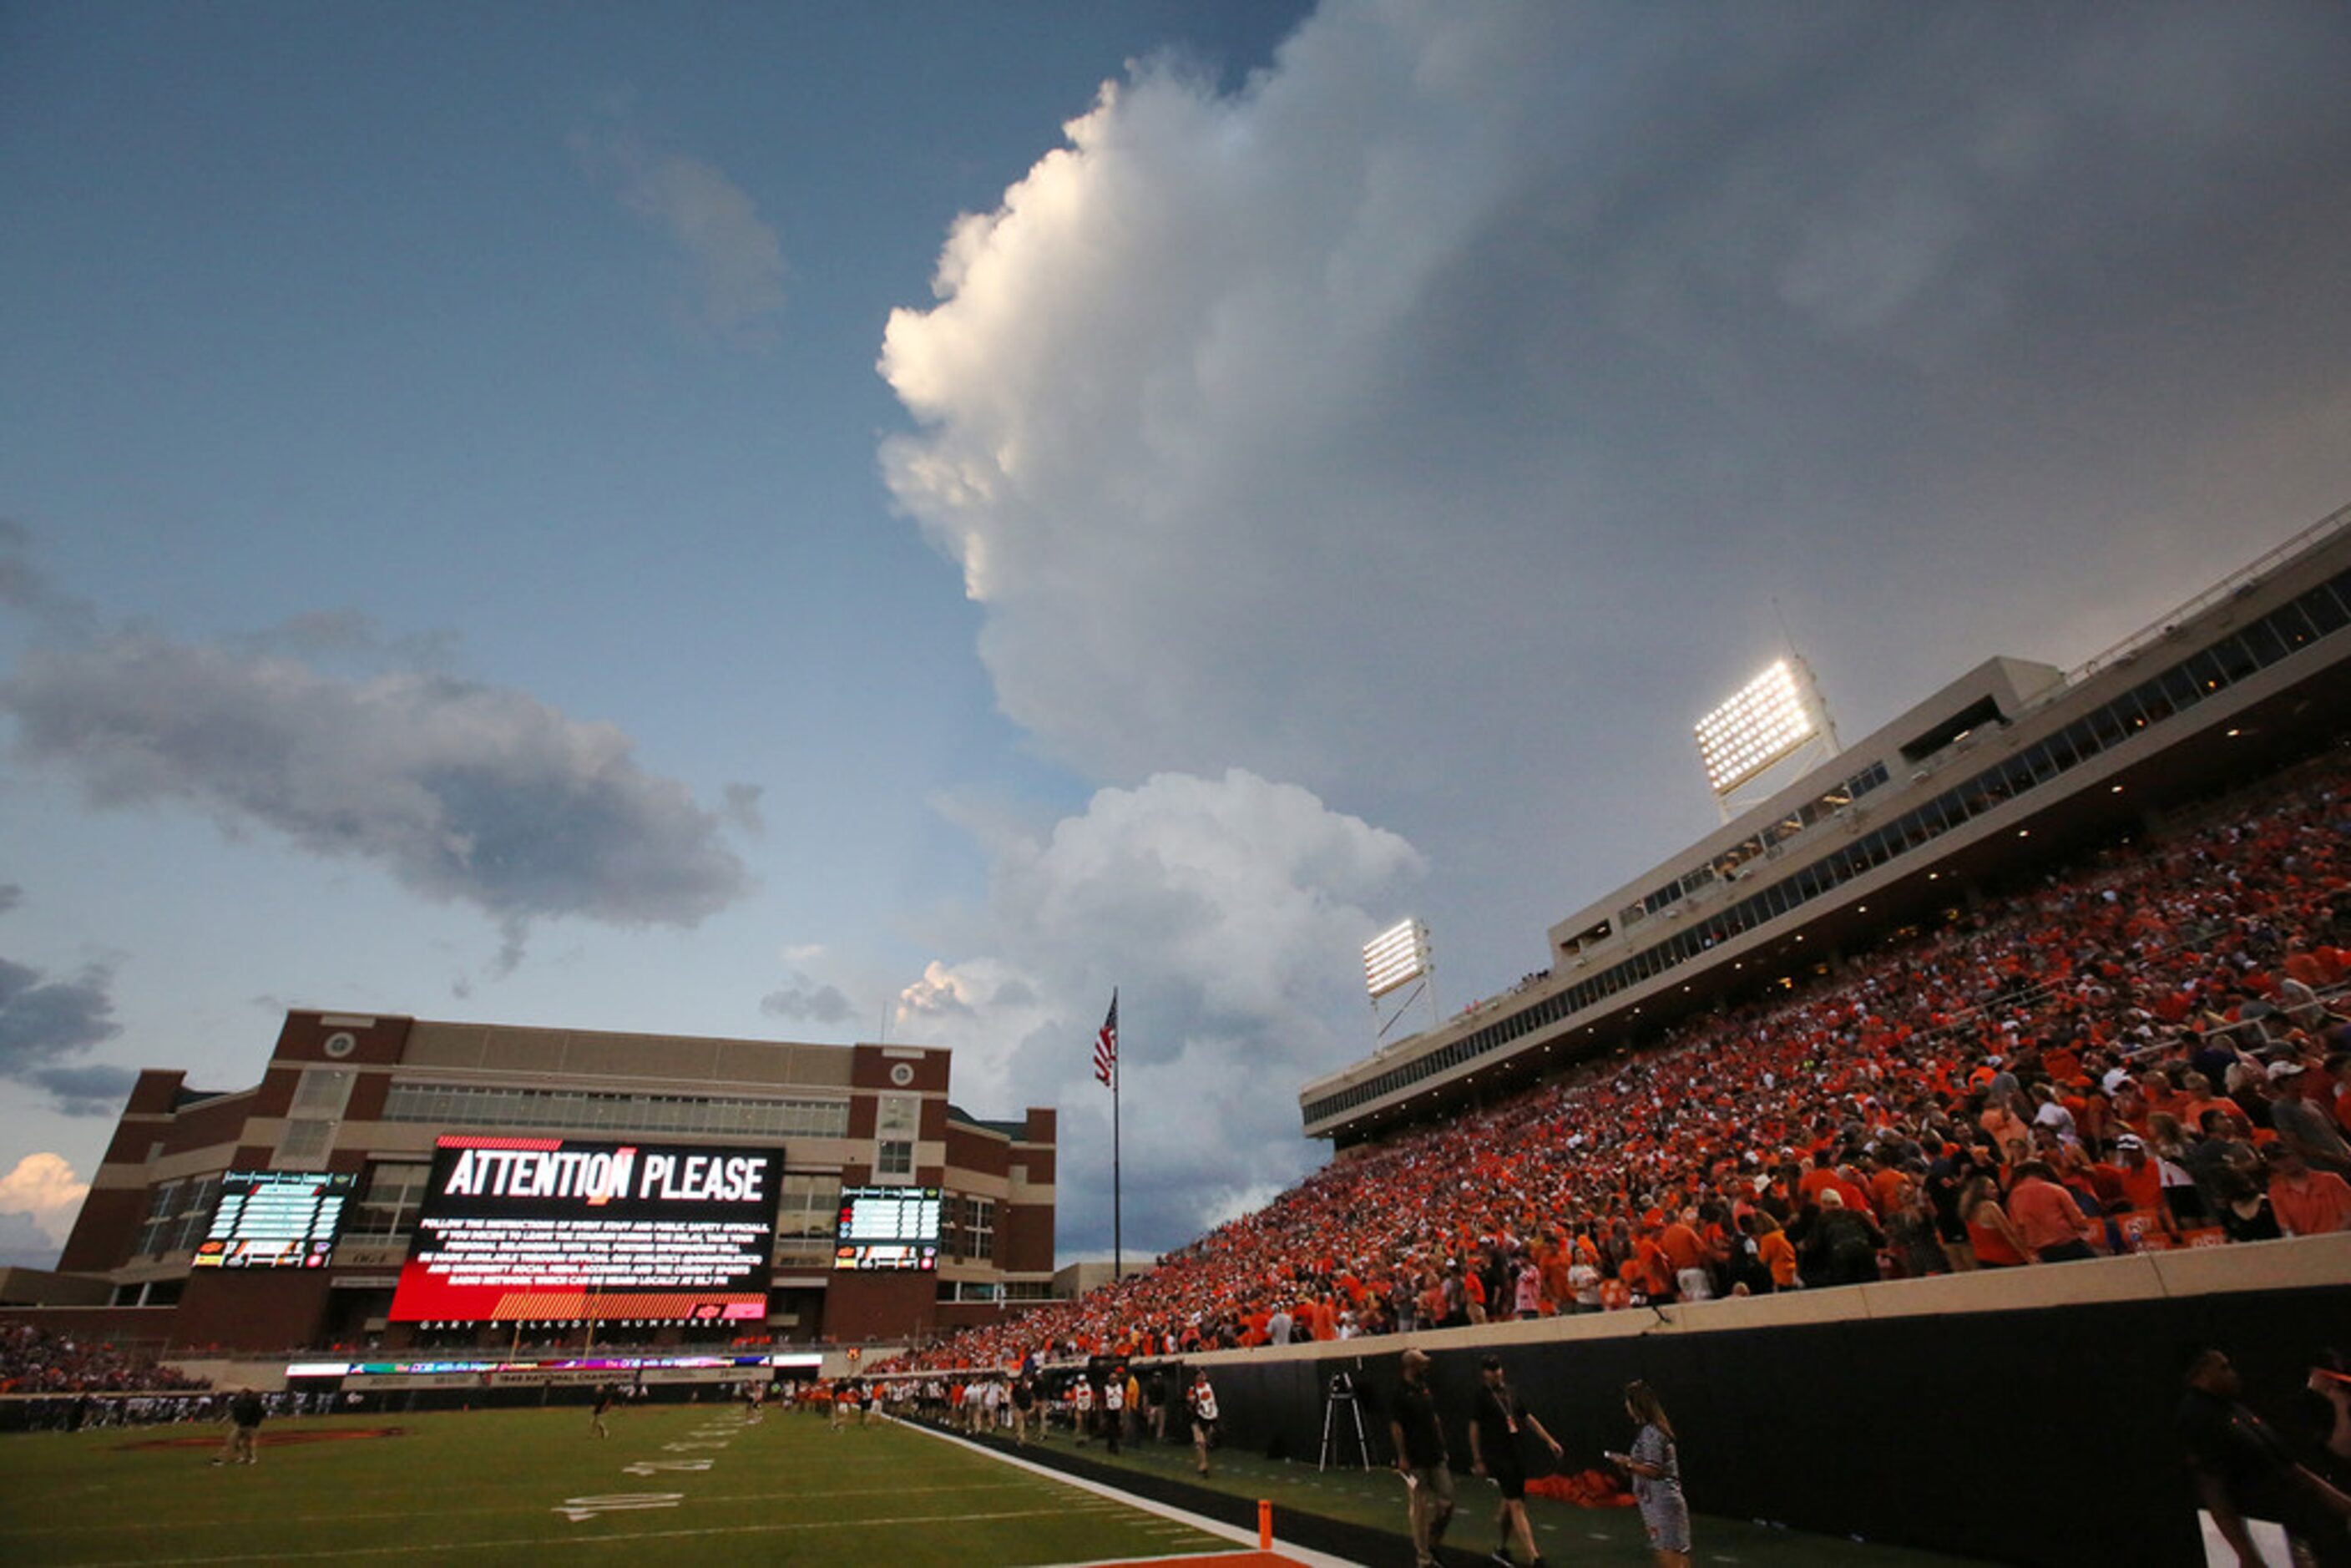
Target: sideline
<point>1202,1522</point>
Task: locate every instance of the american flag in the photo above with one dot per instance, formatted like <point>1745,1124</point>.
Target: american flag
<point>1106,1045</point>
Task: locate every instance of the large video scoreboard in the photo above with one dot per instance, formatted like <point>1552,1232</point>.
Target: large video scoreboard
<point>888,1227</point>
<point>558,1230</point>
<point>275,1219</point>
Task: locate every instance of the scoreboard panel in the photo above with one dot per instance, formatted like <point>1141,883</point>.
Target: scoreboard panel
<point>888,1227</point>
<point>275,1219</point>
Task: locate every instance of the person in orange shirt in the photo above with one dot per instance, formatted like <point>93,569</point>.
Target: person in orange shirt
<point>1990,1235</point>
<point>1774,1251</point>
<point>2137,1179</point>
<point>2050,1223</point>
<point>1683,1249</point>
<point>2306,1202</point>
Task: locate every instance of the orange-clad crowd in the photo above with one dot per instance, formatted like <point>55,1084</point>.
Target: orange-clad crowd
<point>2141,1052</point>
<point>34,1360</point>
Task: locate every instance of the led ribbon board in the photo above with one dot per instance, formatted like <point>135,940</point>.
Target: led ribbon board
<point>557,1231</point>
<point>275,1219</point>
<point>888,1227</point>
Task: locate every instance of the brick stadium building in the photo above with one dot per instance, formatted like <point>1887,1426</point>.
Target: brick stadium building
<point>370,1095</point>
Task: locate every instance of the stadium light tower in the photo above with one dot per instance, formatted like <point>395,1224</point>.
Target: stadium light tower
<point>1776,715</point>
<point>1393,959</point>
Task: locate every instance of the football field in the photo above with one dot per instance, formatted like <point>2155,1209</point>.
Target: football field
<point>673,1483</point>
<point>688,1483</point>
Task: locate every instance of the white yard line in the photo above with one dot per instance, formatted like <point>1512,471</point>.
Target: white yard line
<point>1201,1522</point>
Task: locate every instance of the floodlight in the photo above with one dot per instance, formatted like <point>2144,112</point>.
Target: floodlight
<point>1395,958</point>
<point>1771,716</point>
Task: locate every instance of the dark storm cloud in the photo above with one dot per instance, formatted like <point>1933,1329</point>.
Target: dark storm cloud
<point>464,792</point>
<point>806,1003</point>
<point>87,1090</point>
<point>43,1022</point>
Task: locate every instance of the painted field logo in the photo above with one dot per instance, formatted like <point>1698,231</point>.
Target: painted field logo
<point>272,1439</point>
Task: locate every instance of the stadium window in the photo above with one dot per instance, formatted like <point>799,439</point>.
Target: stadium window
<point>895,1158</point>
<point>2206,669</point>
<point>2107,725</point>
<point>388,1203</point>
<point>979,1229</point>
<point>305,1143</point>
<point>162,1207</point>
<point>2236,656</point>
<point>2326,610</point>
<point>323,1091</point>
<point>195,1215</point>
<point>2263,641</point>
<point>2153,701</point>
<point>2082,736</point>
<point>2016,775</point>
<point>2292,625</point>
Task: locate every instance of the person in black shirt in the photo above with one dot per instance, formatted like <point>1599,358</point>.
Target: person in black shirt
<point>2243,1468</point>
<point>1024,1403</point>
<point>1421,1459</point>
<point>1497,1421</point>
<point>245,1414</point>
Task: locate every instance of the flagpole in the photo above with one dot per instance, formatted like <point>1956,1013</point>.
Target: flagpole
<point>1117,1238</point>
<point>1106,1069</point>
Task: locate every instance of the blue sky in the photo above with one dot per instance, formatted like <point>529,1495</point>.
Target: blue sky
<point>815,521</point>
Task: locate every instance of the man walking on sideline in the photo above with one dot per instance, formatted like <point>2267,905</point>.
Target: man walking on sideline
<point>1496,1425</point>
<point>1422,1460</point>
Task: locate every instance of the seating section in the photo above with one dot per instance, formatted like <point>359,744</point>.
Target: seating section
<point>2142,1052</point>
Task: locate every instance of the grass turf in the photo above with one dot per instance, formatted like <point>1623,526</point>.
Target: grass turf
<point>673,1483</point>
<point>1565,1532</point>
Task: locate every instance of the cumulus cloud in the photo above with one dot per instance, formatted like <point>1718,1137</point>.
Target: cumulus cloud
<point>44,1193</point>
<point>1215,906</point>
<point>44,1023</point>
<point>738,260</point>
<point>1433,418</point>
<point>464,792</point>
<point>24,1244</point>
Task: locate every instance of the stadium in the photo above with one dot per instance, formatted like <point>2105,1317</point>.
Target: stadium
<point>1758,1138</point>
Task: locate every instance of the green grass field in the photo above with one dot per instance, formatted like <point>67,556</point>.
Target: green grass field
<point>673,1484</point>
<point>696,1484</point>
<point>1586,1537</point>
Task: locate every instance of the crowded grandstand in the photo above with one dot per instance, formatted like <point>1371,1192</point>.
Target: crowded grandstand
<point>2149,1040</point>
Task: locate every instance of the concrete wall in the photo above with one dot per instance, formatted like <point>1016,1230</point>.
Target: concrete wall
<point>2019,1416</point>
